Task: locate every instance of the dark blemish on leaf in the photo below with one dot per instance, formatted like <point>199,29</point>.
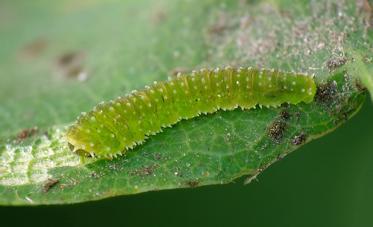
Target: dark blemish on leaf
<point>70,65</point>
<point>285,115</point>
<point>360,86</point>
<point>299,139</point>
<point>276,130</point>
<point>145,171</point>
<point>326,93</point>
<point>69,58</point>
<point>26,133</point>
<point>192,183</point>
<point>50,183</point>
<point>336,62</point>
<point>34,49</point>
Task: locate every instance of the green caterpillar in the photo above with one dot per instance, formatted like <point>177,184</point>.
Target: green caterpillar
<point>112,128</point>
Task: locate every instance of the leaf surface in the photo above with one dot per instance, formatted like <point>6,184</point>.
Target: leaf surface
<point>62,58</point>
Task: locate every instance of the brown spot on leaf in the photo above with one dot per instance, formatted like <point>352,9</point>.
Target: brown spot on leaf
<point>360,86</point>
<point>26,133</point>
<point>192,183</point>
<point>335,62</point>
<point>50,183</point>
<point>71,65</point>
<point>326,93</point>
<point>145,171</point>
<point>299,139</point>
<point>69,58</point>
<point>285,115</point>
<point>276,130</point>
<point>34,49</point>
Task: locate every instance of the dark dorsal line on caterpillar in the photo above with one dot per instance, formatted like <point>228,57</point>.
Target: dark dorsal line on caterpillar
<point>112,128</point>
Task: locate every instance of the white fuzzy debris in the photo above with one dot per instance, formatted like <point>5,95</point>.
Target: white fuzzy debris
<point>22,165</point>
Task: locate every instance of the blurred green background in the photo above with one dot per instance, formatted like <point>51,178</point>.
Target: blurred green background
<point>325,183</point>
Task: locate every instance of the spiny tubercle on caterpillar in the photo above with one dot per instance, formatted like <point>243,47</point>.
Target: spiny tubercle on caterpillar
<point>112,128</point>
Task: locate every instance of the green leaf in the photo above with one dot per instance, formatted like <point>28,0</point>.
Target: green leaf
<point>64,57</point>
<point>363,68</point>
